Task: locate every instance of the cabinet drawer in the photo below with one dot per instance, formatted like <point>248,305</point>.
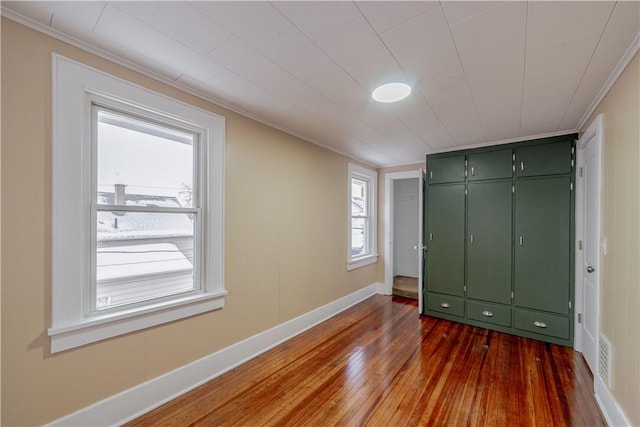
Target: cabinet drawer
<point>445,304</point>
<point>490,313</point>
<point>542,323</point>
<point>445,169</point>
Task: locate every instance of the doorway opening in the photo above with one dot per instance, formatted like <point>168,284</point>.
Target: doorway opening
<point>406,236</point>
<point>403,234</point>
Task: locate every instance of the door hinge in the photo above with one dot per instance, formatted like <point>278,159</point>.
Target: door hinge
<point>569,305</point>
<point>465,191</point>
<point>513,187</point>
<point>573,150</point>
<point>580,244</point>
<point>571,186</point>
<point>511,295</point>
<point>465,289</point>
<point>572,163</point>
<point>430,174</point>
<point>579,317</point>
<point>580,172</point>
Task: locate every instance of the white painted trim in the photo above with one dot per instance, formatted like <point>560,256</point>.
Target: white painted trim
<point>371,177</point>
<point>593,135</point>
<point>97,329</point>
<point>74,86</point>
<point>421,216</point>
<point>388,225</point>
<point>613,413</point>
<point>613,77</point>
<point>362,262</point>
<point>132,403</point>
<point>52,32</point>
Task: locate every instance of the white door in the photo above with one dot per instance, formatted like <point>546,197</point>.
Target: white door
<point>421,180</point>
<point>590,144</point>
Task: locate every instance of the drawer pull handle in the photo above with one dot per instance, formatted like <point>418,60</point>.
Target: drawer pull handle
<point>487,313</point>
<point>444,305</point>
<point>540,324</point>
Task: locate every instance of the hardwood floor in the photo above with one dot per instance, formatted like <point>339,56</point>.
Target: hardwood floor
<point>380,364</point>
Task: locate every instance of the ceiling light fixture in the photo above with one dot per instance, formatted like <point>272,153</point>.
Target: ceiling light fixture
<point>391,92</point>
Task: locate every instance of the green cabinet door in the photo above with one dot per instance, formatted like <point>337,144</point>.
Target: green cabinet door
<point>445,169</point>
<point>542,247</point>
<point>545,159</point>
<point>490,165</point>
<point>489,228</point>
<point>445,239</point>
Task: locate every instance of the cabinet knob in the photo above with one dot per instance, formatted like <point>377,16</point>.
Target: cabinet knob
<point>487,313</point>
<point>444,305</point>
<point>539,324</point>
<point>590,269</point>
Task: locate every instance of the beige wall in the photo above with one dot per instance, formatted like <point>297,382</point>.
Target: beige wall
<point>285,244</point>
<point>620,268</point>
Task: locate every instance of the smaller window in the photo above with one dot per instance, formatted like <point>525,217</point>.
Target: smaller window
<point>362,242</point>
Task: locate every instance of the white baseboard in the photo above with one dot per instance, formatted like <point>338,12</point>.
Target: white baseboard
<point>132,403</point>
<point>613,413</point>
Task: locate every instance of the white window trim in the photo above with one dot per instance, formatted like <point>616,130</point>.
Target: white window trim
<point>73,87</point>
<point>371,176</point>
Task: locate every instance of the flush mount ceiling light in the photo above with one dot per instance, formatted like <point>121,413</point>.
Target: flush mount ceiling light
<point>391,92</point>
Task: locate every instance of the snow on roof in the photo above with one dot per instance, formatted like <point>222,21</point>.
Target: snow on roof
<point>106,198</point>
<point>136,260</point>
<point>357,206</point>
<point>137,225</point>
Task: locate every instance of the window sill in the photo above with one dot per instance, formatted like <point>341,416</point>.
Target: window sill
<point>103,326</point>
<point>361,262</point>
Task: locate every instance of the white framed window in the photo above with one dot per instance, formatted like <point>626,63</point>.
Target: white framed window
<point>137,207</point>
<point>362,188</point>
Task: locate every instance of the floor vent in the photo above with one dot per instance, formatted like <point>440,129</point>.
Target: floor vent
<point>604,360</point>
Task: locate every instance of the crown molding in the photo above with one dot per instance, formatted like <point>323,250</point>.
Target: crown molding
<point>58,35</point>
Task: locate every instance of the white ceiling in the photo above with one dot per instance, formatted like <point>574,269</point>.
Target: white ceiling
<point>481,71</point>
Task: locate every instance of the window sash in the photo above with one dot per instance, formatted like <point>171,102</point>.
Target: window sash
<point>148,123</point>
<point>362,177</point>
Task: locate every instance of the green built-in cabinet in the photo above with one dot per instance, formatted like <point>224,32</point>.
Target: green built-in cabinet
<point>499,232</point>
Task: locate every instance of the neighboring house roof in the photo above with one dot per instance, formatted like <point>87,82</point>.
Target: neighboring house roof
<point>357,206</point>
<point>137,225</point>
<point>119,262</point>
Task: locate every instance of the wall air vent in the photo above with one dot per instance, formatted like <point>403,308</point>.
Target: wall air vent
<point>604,360</point>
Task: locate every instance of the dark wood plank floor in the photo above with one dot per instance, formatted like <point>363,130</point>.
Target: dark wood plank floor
<point>380,364</point>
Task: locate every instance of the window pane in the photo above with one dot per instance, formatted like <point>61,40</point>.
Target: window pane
<point>143,164</point>
<point>358,237</point>
<point>143,255</point>
<point>358,197</point>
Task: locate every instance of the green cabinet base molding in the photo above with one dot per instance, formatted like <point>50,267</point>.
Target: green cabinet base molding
<point>499,233</point>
